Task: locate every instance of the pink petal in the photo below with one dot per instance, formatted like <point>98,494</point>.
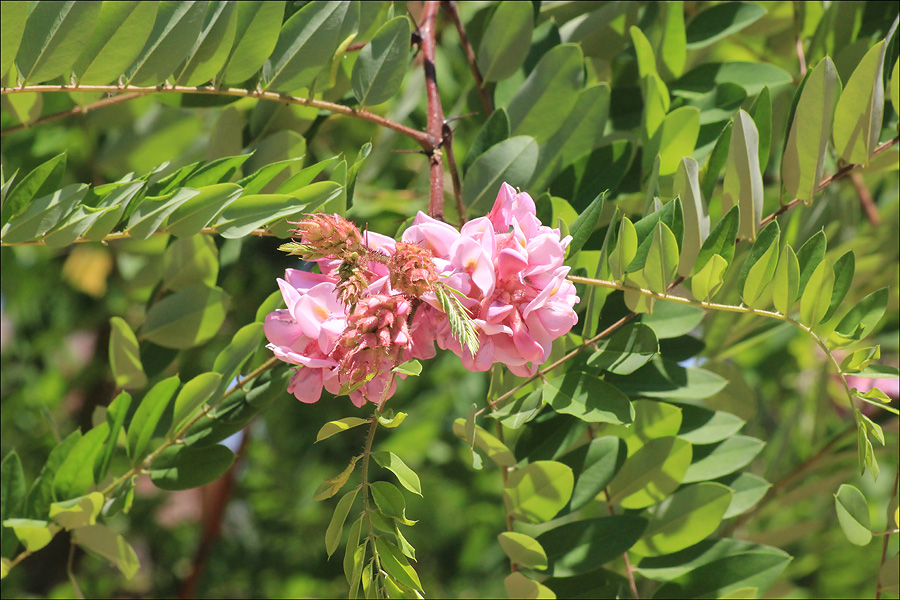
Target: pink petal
<point>306,385</point>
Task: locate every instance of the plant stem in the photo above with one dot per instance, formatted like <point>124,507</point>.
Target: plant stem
<point>451,7</point>
<point>77,110</point>
<point>629,570</point>
<point>887,537</point>
<point>435,128</point>
<point>423,139</point>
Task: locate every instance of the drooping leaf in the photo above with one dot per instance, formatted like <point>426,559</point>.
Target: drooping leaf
<point>512,161</point>
<point>54,36</point>
<point>523,550</point>
<point>152,211</point>
<point>124,356</point>
<point>803,162</point>
<point>121,31</point>
<point>108,544</point>
<point>258,23</point>
<point>12,499</point>
<point>844,269</point>
<point>721,20</point>
<point>626,350</point>
<point>755,566</point>
<point>859,112</point>
<point>147,416</point>
<point>587,397</point>
<point>190,467</point>
<point>863,316</point>
<point>726,457</point>
<point>379,69</point>
<point>749,489</point>
<point>494,131</point>
<point>703,426</point>
<point>743,178</point>
<point>305,45</point>
<point>12,26</point>
<point>506,41</point>
<point>75,476</point>
<point>189,261</point>
<point>176,27</point>
<point>757,290</point>
<point>211,48</point>
<point>786,282</point>
<point>336,526</point>
<point>672,319</point>
<point>115,420</point>
<point>186,318</point>
<point>720,241</point>
<point>406,476</point>
<point>43,214</point>
<point>667,380</point>
<point>582,546</point>
<point>539,490</point>
<point>582,228</point>
<point>816,298</point>
<point>396,564</point>
<point>193,395</point>
<point>696,216</point>
<point>593,466</point>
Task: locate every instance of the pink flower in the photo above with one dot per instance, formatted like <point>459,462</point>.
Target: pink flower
<point>374,305</point>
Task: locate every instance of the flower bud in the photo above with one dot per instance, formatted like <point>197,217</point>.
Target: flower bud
<point>412,269</point>
<point>328,235</point>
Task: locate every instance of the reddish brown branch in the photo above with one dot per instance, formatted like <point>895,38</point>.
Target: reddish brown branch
<point>77,110</point>
<point>454,173</point>
<point>435,126</point>
<point>865,198</point>
<point>451,8</point>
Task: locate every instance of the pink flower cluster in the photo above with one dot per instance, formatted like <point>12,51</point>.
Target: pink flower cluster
<point>507,266</point>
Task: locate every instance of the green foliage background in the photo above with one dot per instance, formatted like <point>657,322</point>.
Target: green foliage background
<point>57,302</point>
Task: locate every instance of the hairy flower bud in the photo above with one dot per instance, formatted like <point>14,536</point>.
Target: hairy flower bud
<point>328,235</point>
<point>412,269</point>
<point>376,337</point>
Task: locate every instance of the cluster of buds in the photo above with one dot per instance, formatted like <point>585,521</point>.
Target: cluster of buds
<point>323,236</point>
<point>412,269</point>
<point>376,337</point>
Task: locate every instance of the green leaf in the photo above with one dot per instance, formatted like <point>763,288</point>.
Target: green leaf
<point>860,359</point>
<point>339,426</point>
<point>757,290</point>
<point>895,86</point>
<point>853,514</point>
<point>255,37</point>
<point>105,542</point>
<point>816,298</point>
<point>593,466</point>
<point>538,491</point>
<point>520,586</point>
<point>702,426</point>
<point>152,211</point>
<point>863,316</point>
<point>75,476</point>
<point>177,26</point>
<point>716,161</point>
<point>721,240</point>
<point>336,526</point>
<point>230,360</point>
<point>12,498</point>
<point>12,26</point>
<point>117,201</point>
<point>548,95</point>
<point>395,563</point>
<point>484,441</point>
<point>626,249</point>
<point>749,489</point>
<point>743,178</point>
<point>754,566</point>
<point>124,356</point>
<point>523,550</point>
<point>672,319</point>
<point>752,76</point>
<point>40,495</point>
<point>147,416</point>
<point>78,512</point>
<point>305,45</point>
<point>411,367</point>
<point>652,420</point>
<point>651,474</point>
<point>626,350</point>
<point>189,261</point>
<point>333,485</point>
<point>661,265</point>
<point>494,131</point>
<point>684,519</point>
<point>511,161</point>
<point>250,212</point>
<point>582,228</point>
<point>506,41</point>
<point>121,31</point>
<point>803,162</point>
<point>667,380</point>
<point>844,270</point>
<point>786,282</point>
<point>707,282</point>
<point>212,47</point>
<point>193,395</point>
<point>671,50</point>
<point>677,137</point>
<point>395,465</point>
<point>190,467</point>
<point>582,546</point>
<point>43,214</point>
<point>720,21</point>
<point>859,112</point>
<point>115,419</point>
<point>711,462</point>
<point>390,500</point>
<point>587,397</point>
<point>696,216</point>
<point>390,420</point>
<point>761,111</point>
<point>33,534</point>
<point>379,69</point>
<point>55,33</point>
<point>521,410</point>
<point>186,318</point>
<point>198,211</point>
<point>768,238</point>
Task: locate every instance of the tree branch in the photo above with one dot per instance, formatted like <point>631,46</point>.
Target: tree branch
<point>425,140</point>
<point>435,111</point>
<point>77,110</point>
<point>124,235</point>
<point>452,10</point>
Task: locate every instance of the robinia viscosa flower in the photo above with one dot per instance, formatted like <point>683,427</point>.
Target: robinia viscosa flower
<point>376,303</point>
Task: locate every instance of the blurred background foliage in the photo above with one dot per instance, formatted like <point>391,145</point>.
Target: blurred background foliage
<point>56,306</point>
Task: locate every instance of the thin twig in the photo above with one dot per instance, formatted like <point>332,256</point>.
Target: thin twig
<point>435,128</point>
<point>629,571</point>
<point>77,110</point>
<point>452,10</point>
<point>887,537</point>
<point>801,57</point>
<point>423,139</point>
<point>454,173</point>
<point>839,174</point>
<point>865,198</point>
<point>504,473</point>
<point>125,235</point>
